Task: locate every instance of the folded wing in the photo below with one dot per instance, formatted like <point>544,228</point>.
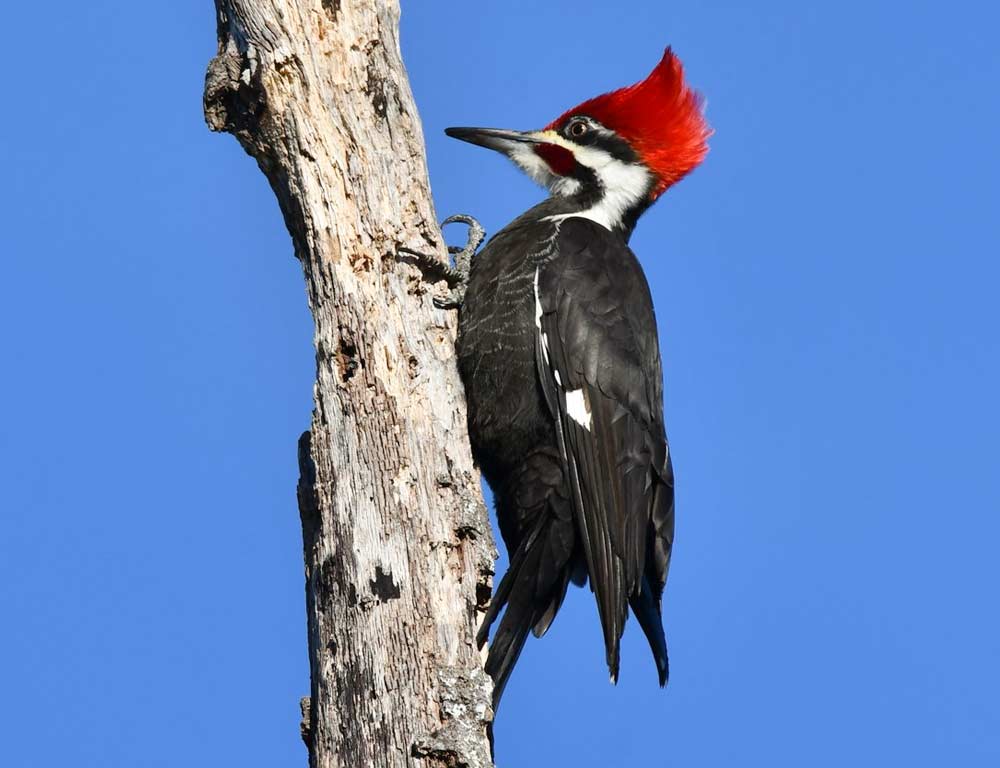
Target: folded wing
<point>599,367</point>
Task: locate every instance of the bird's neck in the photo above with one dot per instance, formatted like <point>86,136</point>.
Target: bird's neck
<point>616,210</point>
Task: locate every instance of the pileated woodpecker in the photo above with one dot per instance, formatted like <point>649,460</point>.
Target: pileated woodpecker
<point>558,351</point>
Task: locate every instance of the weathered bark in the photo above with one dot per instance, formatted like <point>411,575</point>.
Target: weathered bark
<point>398,550</point>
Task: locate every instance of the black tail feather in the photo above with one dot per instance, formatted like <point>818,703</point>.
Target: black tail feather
<point>647,611</point>
<point>501,595</point>
<point>536,520</point>
<point>517,590</point>
<point>546,617</point>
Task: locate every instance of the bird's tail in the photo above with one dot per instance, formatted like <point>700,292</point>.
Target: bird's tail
<point>646,608</point>
<point>533,588</point>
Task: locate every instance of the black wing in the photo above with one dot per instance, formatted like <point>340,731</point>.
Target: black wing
<point>599,365</point>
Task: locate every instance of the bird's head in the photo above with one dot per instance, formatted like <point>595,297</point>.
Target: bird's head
<point>615,154</point>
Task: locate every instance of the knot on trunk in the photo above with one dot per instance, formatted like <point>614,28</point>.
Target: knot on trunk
<point>234,98</point>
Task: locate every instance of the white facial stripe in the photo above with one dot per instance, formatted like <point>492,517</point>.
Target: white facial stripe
<point>624,184</point>
<point>552,137</point>
<point>563,186</point>
<point>523,154</point>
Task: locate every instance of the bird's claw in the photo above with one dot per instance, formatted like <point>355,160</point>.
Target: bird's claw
<point>432,267</point>
<point>474,238</point>
<point>456,276</point>
<point>450,301</point>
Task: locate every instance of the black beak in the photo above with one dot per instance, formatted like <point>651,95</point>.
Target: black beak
<point>492,138</point>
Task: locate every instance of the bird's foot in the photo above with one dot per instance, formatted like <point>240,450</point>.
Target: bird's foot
<point>457,275</point>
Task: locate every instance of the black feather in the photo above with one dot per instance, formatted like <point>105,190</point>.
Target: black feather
<point>574,499</point>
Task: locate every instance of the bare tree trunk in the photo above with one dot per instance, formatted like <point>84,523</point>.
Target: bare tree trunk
<point>398,550</point>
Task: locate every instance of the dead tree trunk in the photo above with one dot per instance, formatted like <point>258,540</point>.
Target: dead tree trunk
<point>398,550</point>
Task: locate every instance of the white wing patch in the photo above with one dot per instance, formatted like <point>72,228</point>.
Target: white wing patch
<point>578,409</point>
<point>538,304</point>
<point>576,402</point>
<point>538,320</point>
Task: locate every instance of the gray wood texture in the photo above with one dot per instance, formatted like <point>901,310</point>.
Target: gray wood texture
<point>398,549</point>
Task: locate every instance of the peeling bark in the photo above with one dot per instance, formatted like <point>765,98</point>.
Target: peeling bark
<point>398,549</point>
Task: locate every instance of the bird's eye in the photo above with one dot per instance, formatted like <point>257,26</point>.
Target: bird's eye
<point>578,128</point>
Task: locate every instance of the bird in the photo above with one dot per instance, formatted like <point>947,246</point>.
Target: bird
<point>558,352</point>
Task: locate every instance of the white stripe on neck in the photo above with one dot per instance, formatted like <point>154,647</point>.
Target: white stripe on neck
<point>624,186</point>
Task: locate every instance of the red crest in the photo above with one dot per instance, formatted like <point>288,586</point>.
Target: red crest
<point>661,117</point>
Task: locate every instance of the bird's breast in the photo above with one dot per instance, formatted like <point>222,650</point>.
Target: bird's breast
<point>496,351</point>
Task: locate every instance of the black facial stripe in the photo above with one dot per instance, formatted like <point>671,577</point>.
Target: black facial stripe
<point>615,146</point>
<point>591,189</point>
<point>602,138</point>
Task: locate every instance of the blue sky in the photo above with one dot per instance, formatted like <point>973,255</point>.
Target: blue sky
<point>826,291</point>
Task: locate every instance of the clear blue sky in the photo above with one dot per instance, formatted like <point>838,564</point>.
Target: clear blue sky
<point>826,286</point>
